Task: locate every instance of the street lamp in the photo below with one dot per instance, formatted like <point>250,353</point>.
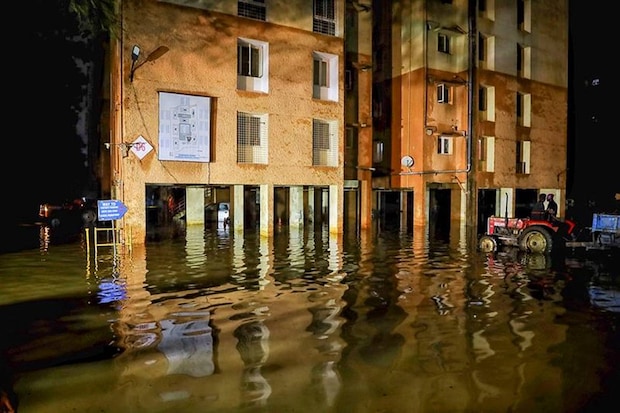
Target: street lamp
<point>135,54</point>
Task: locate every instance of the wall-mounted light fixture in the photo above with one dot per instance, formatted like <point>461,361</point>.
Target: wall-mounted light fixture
<point>366,168</point>
<point>135,54</point>
<point>358,125</point>
<point>429,130</point>
<point>124,147</point>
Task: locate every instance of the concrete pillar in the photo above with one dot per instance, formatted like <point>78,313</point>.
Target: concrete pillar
<point>404,210</point>
<point>238,208</point>
<point>311,206</point>
<point>335,209</point>
<point>296,207</point>
<point>195,205</point>
<point>365,204</point>
<point>266,210</point>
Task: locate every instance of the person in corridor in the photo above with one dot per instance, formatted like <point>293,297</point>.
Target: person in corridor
<point>538,211</point>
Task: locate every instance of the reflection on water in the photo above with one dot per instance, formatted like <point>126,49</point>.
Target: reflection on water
<point>308,323</point>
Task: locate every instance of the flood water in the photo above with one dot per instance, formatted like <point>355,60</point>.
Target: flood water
<point>211,322</point>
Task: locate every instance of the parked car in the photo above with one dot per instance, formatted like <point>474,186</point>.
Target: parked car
<point>218,212</point>
<point>78,213</point>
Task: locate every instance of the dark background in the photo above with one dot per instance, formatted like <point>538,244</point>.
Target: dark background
<point>45,156</point>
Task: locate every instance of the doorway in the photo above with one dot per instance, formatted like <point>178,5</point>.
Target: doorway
<point>440,205</point>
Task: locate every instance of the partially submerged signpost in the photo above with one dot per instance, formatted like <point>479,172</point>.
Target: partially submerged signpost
<point>109,210</point>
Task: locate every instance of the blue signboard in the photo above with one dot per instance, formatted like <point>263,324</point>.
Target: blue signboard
<point>111,209</point>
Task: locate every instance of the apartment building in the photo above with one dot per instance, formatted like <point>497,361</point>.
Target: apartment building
<point>469,111</point>
<point>229,101</point>
<point>415,114</point>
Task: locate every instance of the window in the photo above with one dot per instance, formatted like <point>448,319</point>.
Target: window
<point>443,93</point>
<point>254,9</point>
<point>249,59</point>
<point>348,79</point>
<point>324,143</point>
<point>252,65</point>
<point>486,9</point>
<point>444,145</point>
<point>482,52</point>
<point>377,154</point>
<point>251,138</point>
<point>524,109</point>
<point>324,19</point>
<point>524,61</point>
<point>350,138</point>
<point>486,51</point>
<point>443,43</point>
<point>320,73</point>
<point>486,153</point>
<point>377,109</point>
<point>325,76</point>
<point>486,103</point>
<point>523,157</point>
<point>482,99</point>
<point>524,15</point>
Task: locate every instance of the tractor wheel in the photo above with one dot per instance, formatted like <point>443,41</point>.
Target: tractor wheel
<point>536,239</point>
<point>487,243</point>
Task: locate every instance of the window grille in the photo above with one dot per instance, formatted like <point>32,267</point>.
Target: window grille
<point>324,19</point>
<point>324,143</point>
<point>254,9</point>
<point>251,138</point>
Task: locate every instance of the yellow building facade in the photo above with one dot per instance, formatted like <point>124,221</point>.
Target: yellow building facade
<point>237,102</point>
<point>406,114</point>
<point>469,111</point>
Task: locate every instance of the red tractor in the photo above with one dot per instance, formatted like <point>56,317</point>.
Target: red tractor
<point>531,235</point>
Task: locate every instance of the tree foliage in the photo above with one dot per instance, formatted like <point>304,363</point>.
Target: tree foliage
<point>96,17</point>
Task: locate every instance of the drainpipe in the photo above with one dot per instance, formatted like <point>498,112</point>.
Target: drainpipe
<point>471,206</point>
<point>471,73</point>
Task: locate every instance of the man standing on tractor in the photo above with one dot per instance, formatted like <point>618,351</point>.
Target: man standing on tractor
<point>552,207</point>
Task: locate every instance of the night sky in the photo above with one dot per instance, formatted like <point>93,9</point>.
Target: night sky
<point>43,152</point>
<point>593,169</point>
